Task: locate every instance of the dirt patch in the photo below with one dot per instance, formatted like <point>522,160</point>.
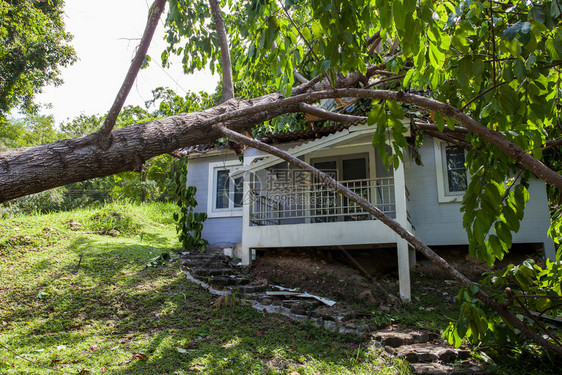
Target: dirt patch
<point>319,273</point>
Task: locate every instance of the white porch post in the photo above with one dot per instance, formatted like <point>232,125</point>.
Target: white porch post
<point>403,249</point>
<point>245,251</point>
<point>405,259</point>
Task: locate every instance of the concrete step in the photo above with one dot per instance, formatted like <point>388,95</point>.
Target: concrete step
<point>202,272</point>
<point>248,290</point>
<point>205,261</point>
<point>224,281</point>
<point>390,337</point>
<point>468,368</point>
<point>426,352</point>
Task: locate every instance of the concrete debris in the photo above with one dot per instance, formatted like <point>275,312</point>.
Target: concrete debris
<point>325,301</point>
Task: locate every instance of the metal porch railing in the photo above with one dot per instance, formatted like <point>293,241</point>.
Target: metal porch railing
<point>317,203</point>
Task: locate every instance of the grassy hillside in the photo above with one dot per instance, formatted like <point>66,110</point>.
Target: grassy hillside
<point>76,300</point>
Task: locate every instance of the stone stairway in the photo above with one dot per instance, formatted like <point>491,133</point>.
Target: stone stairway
<point>424,350</point>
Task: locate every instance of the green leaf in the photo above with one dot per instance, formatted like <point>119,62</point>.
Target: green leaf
<point>436,57</point>
<point>519,69</point>
<point>555,9</point>
<point>524,32</point>
<point>508,99</point>
<point>408,77</point>
<point>317,30</point>
<point>503,232</point>
<point>537,13</point>
<point>554,48</point>
<point>496,247</point>
<point>511,218</point>
<point>377,115</point>
<point>511,32</point>
<point>396,109</point>
<point>348,37</point>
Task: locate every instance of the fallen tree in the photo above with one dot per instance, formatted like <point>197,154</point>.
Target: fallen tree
<point>31,170</point>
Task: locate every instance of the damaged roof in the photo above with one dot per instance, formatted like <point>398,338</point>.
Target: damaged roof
<point>299,135</point>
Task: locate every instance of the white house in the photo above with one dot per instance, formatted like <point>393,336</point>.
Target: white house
<point>260,202</point>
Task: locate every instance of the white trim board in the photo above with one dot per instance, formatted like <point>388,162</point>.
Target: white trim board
<point>211,192</point>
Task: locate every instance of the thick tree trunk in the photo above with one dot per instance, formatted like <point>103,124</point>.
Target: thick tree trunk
<point>34,169</point>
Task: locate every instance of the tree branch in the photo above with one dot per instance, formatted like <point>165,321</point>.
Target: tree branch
<point>308,85</point>
<point>373,38</point>
<point>482,94</point>
<point>300,77</point>
<point>433,127</point>
<point>226,64</point>
<point>383,81</point>
<point>155,13</point>
<point>327,115</point>
<point>552,143</point>
<point>397,228</point>
<point>449,139</point>
<point>374,46</point>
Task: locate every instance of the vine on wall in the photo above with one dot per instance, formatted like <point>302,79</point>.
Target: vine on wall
<point>189,224</point>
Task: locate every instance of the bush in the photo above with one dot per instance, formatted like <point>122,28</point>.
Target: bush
<point>109,219</point>
<point>46,201</point>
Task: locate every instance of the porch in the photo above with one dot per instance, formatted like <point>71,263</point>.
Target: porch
<point>312,215</point>
<point>289,208</point>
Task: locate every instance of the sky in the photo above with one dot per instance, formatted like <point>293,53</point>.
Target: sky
<point>106,33</point>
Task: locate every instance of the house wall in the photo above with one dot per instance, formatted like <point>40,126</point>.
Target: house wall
<point>220,231</point>
<point>441,223</point>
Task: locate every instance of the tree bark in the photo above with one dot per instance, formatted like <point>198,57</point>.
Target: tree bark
<point>398,229</point>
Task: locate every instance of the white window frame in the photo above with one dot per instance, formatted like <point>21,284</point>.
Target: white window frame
<point>443,193</point>
<point>212,211</point>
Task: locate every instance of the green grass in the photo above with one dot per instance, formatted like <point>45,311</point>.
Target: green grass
<point>85,303</point>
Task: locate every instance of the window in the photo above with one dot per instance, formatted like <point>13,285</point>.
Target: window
<point>225,193</point>
<point>452,179</point>
<point>228,191</point>
<point>456,171</point>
